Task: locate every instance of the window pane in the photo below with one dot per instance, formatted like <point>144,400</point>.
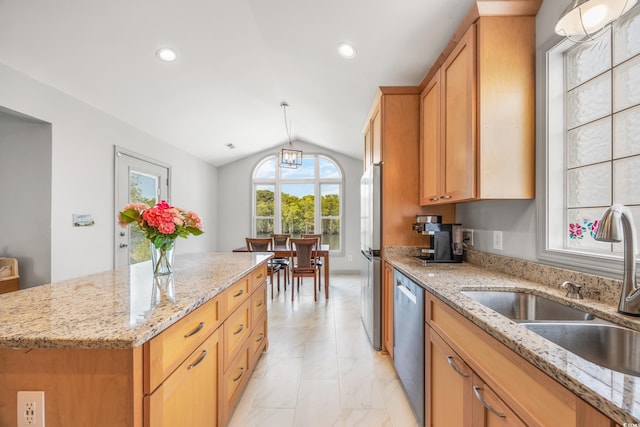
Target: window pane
<point>626,84</point>
<point>627,36</point>
<point>589,186</point>
<point>626,127</point>
<point>331,233</point>
<point>142,189</point>
<point>266,170</point>
<point>265,200</point>
<point>587,60</point>
<point>589,102</point>
<point>298,209</point>
<point>582,227</point>
<point>265,204</point>
<point>328,169</point>
<point>627,181</point>
<point>589,144</point>
<point>330,199</point>
<point>264,227</point>
<point>307,170</point>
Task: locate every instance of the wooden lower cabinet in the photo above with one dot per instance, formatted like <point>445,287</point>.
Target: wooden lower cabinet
<point>471,379</point>
<point>190,395</point>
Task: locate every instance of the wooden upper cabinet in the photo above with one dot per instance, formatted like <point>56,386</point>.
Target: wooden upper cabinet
<point>477,115</point>
<point>376,138</point>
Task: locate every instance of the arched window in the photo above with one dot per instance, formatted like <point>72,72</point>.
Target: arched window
<point>299,201</point>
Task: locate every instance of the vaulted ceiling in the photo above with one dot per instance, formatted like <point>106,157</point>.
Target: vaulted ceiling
<point>237,61</point>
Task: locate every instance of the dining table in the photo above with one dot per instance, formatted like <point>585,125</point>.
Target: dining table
<point>285,252</point>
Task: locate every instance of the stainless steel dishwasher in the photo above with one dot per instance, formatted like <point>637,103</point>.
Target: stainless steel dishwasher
<point>408,348</point>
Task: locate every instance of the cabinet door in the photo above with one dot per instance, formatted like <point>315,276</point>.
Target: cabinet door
<point>489,410</point>
<point>387,309</point>
<point>458,74</point>
<point>448,383</point>
<point>430,143</point>
<point>189,396</point>
<point>376,137</point>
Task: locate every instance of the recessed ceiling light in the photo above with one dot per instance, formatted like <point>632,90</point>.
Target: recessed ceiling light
<point>166,54</point>
<point>347,50</point>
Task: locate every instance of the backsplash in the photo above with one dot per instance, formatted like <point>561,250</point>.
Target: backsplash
<point>602,289</point>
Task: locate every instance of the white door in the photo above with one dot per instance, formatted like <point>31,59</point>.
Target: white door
<point>138,180</point>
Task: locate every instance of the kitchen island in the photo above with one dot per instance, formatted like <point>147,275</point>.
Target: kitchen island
<point>110,348</point>
<point>612,393</point>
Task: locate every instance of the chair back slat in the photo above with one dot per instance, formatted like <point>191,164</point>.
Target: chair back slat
<point>304,252</point>
<point>258,244</point>
<point>280,240</point>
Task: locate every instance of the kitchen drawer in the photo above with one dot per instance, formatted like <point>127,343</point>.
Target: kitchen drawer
<point>237,293</point>
<point>166,351</point>
<point>237,328</point>
<point>259,302</point>
<point>257,277</point>
<point>234,380</point>
<point>258,339</point>
<point>189,396</point>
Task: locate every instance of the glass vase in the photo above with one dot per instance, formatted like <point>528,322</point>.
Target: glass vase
<point>162,259</point>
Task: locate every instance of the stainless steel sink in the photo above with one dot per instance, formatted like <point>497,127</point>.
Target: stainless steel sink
<point>523,307</point>
<point>604,344</point>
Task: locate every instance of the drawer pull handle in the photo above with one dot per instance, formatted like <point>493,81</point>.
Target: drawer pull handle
<point>200,359</point>
<point>452,363</point>
<point>260,304</point>
<point>433,199</point>
<point>239,375</point>
<point>476,391</point>
<point>260,276</point>
<point>239,329</point>
<point>195,331</point>
<point>240,292</point>
<point>260,337</point>
<point>446,196</point>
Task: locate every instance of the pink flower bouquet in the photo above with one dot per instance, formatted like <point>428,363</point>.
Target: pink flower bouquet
<point>161,224</point>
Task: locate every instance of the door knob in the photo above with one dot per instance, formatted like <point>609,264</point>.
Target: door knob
<point>123,245</point>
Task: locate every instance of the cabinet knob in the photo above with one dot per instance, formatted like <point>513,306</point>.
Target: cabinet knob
<point>433,199</point>
<point>446,196</point>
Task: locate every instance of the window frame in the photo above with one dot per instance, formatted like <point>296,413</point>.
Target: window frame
<point>317,182</point>
<point>550,127</point>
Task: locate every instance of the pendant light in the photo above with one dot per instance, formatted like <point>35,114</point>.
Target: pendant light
<point>289,158</point>
<point>583,19</point>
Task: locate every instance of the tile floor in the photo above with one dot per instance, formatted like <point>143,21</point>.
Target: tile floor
<point>320,369</point>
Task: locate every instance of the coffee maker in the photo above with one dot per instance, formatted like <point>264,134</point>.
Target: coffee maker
<point>445,240</point>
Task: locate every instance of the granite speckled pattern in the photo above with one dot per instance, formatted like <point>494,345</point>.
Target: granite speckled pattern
<point>615,394</point>
<point>120,308</point>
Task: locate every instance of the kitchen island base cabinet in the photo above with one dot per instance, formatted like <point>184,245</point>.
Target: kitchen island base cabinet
<point>502,378</point>
<point>83,387</point>
<point>176,378</point>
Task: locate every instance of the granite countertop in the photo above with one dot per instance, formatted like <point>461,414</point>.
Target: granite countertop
<point>117,309</point>
<point>615,394</point>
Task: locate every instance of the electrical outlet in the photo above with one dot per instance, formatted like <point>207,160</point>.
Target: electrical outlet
<point>497,240</point>
<point>467,236</point>
<point>31,409</point>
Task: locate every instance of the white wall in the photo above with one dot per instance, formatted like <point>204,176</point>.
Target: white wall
<point>235,199</point>
<point>515,218</point>
<point>82,176</point>
<point>25,196</point>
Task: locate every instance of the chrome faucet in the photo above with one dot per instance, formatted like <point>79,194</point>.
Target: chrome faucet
<point>616,224</point>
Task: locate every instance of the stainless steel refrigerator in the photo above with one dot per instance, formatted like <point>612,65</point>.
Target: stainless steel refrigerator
<point>371,270</point>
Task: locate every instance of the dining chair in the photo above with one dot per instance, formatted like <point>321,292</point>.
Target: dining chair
<point>319,260</point>
<point>265,245</point>
<point>282,241</point>
<point>303,263</point>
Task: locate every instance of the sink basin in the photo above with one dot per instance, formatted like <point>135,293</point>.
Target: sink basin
<point>604,344</point>
<point>522,307</point>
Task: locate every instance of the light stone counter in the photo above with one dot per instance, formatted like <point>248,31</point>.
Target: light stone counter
<point>615,394</point>
<point>120,308</point>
